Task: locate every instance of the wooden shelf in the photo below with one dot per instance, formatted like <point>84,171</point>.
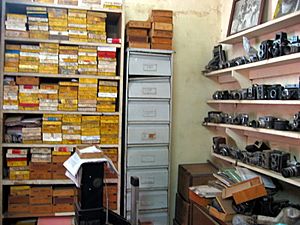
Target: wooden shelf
<point>289,134</point>
<point>59,76</point>
<point>265,28</point>
<point>282,60</point>
<point>59,112</point>
<point>256,102</point>
<point>31,215</point>
<point>20,145</point>
<point>23,2</point>
<point>293,181</point>
<point>7,182</point>
<point>30,40</point>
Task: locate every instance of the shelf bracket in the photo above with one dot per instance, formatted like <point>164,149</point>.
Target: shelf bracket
<point>238,139</point>
<point>243,81</point>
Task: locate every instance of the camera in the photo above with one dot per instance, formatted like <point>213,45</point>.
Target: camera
<point>218,60</point>
<point>281,45</point>
<point>215,117</point>
<point>266,122</point>
<point>274,91</point>
<point>221,95</point>
<point>291,171</point>
<point>265,50</point>
<point>217,143</point>
<point>296,122</point>
<point>252,93</point>
<point>258,146</point>
<point>254,158</point>
<point>290,92</point>
<point>265,159</point>
<point>262,91</point>
<point>279,160</point>
<point>280,124</point>
<point>295,44</point>
<point>241,119</point>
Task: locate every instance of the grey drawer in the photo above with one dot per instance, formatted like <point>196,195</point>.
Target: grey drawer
<point>148,134</point>
<point>149,64</point>
<point>149,178</point>
<point>157,218</point>
<point>148,111</point>
<point>147,156</point>
<point>149,88</point>
<point>150,200</point>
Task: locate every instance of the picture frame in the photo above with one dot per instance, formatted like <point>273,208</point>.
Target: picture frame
<point>244,15</point>
<point>285,7</point>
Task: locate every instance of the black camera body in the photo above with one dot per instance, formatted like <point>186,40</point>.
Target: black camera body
<point>266,122</point>
<point>265,159</point>
<point>265,50</point>
<point>291,170</point>
<point>262,91</point>
<point>221,95</point>
<point>281,45</point>
<point>296,122</point>
<point>295,44</point>
<point>274,92</point>
<point>217,143</point>
<point>252,93</point>
<point>290,92</point>
<point>279,160</point>
<point>215,117</point>
<point>218,60</point>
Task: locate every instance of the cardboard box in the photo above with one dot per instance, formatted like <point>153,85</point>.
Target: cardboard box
<point>228,212</point>
<point>139,24</point>
<point>162,13</point>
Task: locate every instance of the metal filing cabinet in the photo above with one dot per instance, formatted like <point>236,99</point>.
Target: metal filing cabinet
<point>147,129</point>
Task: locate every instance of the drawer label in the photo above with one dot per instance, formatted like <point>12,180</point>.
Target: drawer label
<point>149,91</point>
<point>148,180</point>
<point>150,67</point>
<point>149,113</point>
<point>148,136</point>
<point>147,158</point>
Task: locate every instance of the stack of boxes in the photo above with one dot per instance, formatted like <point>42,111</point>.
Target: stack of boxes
<point>137,34</point>
<point>48,58</point>
<point>68,2</point>
<point>59,156</point>
<point>48,97</point>
<point>32,131</point>
<point>40,155</point>
<point>15,25</point>
<point>111,153</point>
<point>29,59</point>
<point>38,22</point>
<point>96,27</point>
<point>107,61</point>
<point>112,193</point>
<point>68,59</point>
<point>161,33</point>
<point>68,92</point>
<point>52,129</point>
<point>90,3</point>
<point>64,199</point>
<point>28,93</point>
<point>40,170</point>
<point>90,130</point>
<point>18,199</point>
<point>40,200</point>
<point>10,94</point>
<point>17,163</point>
<point>87,60</point>
<point>12,57</point>
<point>87,94</point>
<point>109,127</point>
<point>71,129</point>
<point>107,96</point>
<point>77,25</point>
<point>58,22</point>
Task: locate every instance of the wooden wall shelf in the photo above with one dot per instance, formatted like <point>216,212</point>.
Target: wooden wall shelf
<point>256,102</point>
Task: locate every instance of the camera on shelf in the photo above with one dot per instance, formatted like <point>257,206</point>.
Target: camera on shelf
<point>295,44</point>
<point>290,92</point>
<point>281,45</point>
<point>279,160</point>
<point>263,122</point>
<point>265,159</point>
<point>217,143</point>
<point>296,122</point>
<point>265,50</point>
<point>240,94</point>
<point>218,60</point>
<point>215,117</point>
<point>221,95</point>
<point>274,92</point>
<point>280,124</point>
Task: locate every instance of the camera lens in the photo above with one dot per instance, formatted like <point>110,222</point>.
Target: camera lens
<point>237,96</point>
<point>292,171</point>
<point>273,94</point>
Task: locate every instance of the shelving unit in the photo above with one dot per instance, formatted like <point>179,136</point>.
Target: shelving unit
<point>280,70</point>
<point>117,17</point>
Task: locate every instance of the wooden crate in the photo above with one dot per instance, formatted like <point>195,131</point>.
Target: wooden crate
<point>63,208</point>
<point>45,208</point>
<point>18,208</point>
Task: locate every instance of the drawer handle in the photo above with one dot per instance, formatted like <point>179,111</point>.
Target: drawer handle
<point>149,91</point>
<point>149,113</point>
<point>150,67</point>
<point>148,159</point>
<point>148,136</point>
<point>148,180</point>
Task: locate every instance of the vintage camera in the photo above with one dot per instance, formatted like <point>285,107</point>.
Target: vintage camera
<point>266,122</point>
<point>280,124</point>
<point>217,143</point>
<point>241,60</point>
<point>262,91</point>
<point>221,95</point>
<point>265,50</point>
<point>218,60</point>
<point>279,160</point>
<point>290,92</point>
<point>240,94</point>
<point>254,158</point>
<point>274,92</point>
<point>215,117</point>
<point>294,44</point>
<point>281,45</point>
<point>296,122</point>
<point>265,159</point>
<point>293,170</point>
<point>241,119</point>
<point>252,92</point>
<point>258,146</point>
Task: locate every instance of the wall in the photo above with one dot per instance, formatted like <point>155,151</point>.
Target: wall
<point>197,29</point>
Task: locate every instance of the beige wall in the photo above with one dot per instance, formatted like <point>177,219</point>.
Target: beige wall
<point>197,28</point>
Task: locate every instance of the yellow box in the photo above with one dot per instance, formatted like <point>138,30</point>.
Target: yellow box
<point>16,163</point>
<point>11,69</point>
<point>19,175</point>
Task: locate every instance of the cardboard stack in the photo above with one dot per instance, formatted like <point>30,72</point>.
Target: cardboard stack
<point>58,22</point>
<point>41,200</point>
<point>107,61</point>
<point>59,156</point>
<point>112,192</point>
<point>96,26</point>
<point>15,25</point>
<point>137,34</point>
<point>107,96</point>
<point>87,94</point>
<point>29,59</point>
<point>17,162</point>
<point>109,127</point>
<point>77,25</point>
<point>28,93</point>
<point>68,59</point>
<point>38,22</point>
<point>71,129</point>
<point>161,33</point>
<point>64,199</point>
<point>48,97</point>
<point>68,2</point>
<point>40,155</point>
<point>68,92</point>
<point>52,128</point>
<point>87,60</point>
<point>48,58</point>
<point>12,58</point>
<point>18,199</point>
<point>10,94</point>
<point>90,3</point>
<point>32,135</point>
<point>90,130</point>
<point>40,170</point>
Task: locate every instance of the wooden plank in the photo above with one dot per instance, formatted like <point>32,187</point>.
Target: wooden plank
<point>162,26</point>
<point>160,33</point>
<point>161,19</point>
<point>162,13</point>
<point>137,32</point>
<point>138,45</point>
<point>161,46</point>
<point>157,40</point>
<point>138,24</point>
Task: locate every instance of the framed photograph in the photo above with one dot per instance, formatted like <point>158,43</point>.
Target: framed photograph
<point>245,14</point>
<point>285,7</point>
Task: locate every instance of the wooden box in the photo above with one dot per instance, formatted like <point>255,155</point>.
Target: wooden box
<point>63,208</point>
<point>162,26</point>
<point>63,200</point>
<point>18,208</point>
<point>64,191</point>
<point>22,199</point>
<point>198,199</point>
<point>41,191</point>
<point>59,158</point>
<point>36,200</point>
<point>182,210</point>
<point>228,212</point>
<point>36,175</point>
<point>162,13</point>
<point>45,208</point>
<point>28,80</point>
<point>139,24</point>
<point>193,175</point>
